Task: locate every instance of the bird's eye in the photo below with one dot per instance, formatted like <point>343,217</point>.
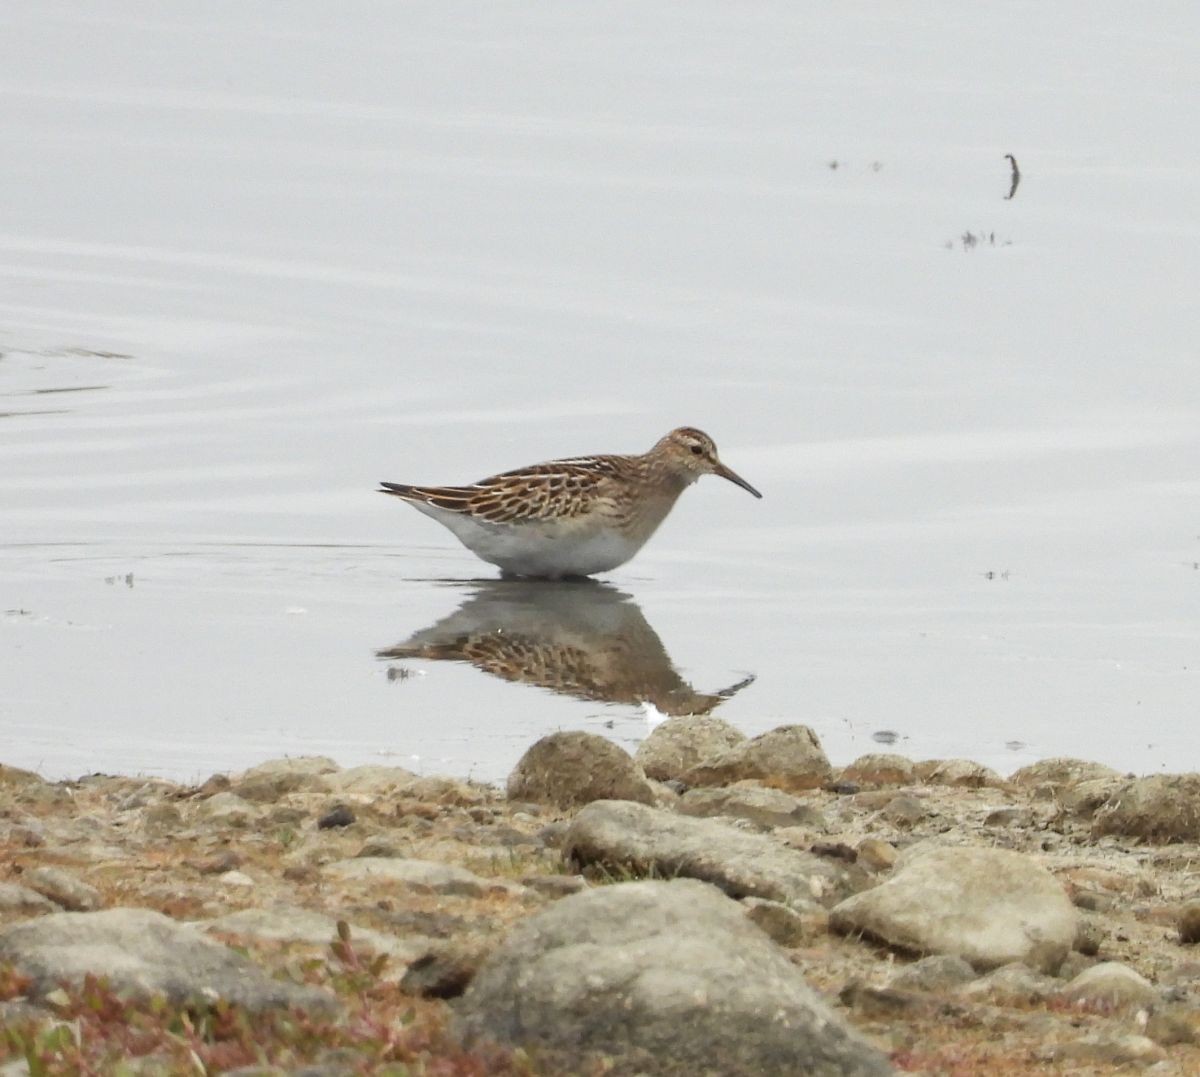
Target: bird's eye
<point>697,449</point>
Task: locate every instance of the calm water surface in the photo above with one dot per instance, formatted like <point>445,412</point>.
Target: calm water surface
<point>254,260</point>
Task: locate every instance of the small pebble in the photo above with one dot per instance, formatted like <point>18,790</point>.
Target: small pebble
<point>336,817</point>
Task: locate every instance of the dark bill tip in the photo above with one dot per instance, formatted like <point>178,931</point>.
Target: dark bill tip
<point>736,479</point>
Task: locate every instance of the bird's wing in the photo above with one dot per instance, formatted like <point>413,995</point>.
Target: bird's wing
<point>554,490</point>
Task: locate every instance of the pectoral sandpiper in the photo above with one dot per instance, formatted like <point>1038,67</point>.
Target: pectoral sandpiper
<point>583,639</point>
<point>571,517</point>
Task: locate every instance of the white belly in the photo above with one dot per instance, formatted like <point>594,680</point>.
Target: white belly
<point>570,548</point>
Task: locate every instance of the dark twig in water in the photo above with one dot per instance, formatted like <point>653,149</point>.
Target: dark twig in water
<point>1016,176</point>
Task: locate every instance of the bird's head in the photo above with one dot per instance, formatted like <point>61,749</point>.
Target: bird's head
<point>691,453</point>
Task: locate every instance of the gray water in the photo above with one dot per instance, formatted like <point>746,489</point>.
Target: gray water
<point>254,258</point>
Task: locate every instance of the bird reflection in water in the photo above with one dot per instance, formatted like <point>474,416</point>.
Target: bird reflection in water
<point>581,638</point>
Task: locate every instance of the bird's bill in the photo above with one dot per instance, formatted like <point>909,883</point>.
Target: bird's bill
<point>735,478</point>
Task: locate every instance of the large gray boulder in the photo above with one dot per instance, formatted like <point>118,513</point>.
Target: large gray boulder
<point>144,953</point>
<point>624,837</point>
<point>657,978</point>
<point>988,906</point>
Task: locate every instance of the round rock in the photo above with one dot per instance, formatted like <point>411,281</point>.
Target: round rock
<point>679,744</point>
<point>567,770</point>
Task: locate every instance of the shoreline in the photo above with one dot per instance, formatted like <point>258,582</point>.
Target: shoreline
<point>381,905</point>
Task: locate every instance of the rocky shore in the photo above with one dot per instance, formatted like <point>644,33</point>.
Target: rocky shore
<point>715,904</point>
